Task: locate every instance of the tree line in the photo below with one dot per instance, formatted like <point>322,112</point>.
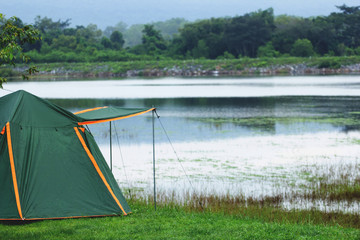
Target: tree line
<point>255,34</point>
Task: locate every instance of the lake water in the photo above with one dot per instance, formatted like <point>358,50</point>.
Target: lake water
<point>254,136</point>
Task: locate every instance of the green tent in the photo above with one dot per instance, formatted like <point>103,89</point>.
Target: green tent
<point>50,165</point>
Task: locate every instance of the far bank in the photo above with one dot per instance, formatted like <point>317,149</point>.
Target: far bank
<point>194,67</point>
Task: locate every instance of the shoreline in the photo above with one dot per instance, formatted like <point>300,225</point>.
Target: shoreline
<point>193,68</point>
<point>193,71</point>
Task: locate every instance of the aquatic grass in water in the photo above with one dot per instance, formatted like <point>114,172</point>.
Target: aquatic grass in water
<point>332,183</point>
<point>267,208</point>
<point>323,194</point>
<point>270,121</point>
<point>253,167</point>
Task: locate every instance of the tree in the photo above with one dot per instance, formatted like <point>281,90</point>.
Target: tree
<point>117,40</point>
<point>288,30</point>
<point>302,48</point>
<point>133,35</point>
<point>152,40</point>
<point>50,29</point>
<point>106,42</point>
<point>245,34</point>
<point>205,33</point>
<point>120,26</point>
<point>267,51</point>
<point>64,43</point>
<point>88,36</point>
<point>170,27</point>
<point>322,35</point>
<point>201,50</point>
<point>350,28</point>
<point>12,40</point>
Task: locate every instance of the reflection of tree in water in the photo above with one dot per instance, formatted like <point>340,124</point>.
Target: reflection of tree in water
<point>263,125</point>
<point>347,129</point>
<point>257,115</point>
<point>298,104</point>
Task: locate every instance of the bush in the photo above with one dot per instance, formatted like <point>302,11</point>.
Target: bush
<point>329,63</point>
<point>357,51</point>
<point>226,55</point>
<point>8,72</point>
<point>267,51</point>
<point>302,48</point>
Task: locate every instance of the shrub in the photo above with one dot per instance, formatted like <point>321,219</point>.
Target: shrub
<point>302,48</point>
<point>329,63</point>
<point>267,51</point>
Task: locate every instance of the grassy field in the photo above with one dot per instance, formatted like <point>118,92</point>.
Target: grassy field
<point>175,223</point>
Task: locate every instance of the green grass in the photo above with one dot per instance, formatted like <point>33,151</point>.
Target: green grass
<point>173,223</point>
<point>165,67</point>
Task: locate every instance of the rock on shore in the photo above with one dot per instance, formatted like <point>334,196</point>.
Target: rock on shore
<point>198,70</point>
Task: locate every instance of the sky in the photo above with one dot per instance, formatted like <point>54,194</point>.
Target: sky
<point>105,13</point>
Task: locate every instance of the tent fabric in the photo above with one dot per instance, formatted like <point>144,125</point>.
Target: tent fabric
<point>50,167</point>
<point>26,109</point>
<point>106,114</point>
<point>7,197</point>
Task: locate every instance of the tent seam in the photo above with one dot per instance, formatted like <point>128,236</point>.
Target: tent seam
<point>13,171</point>
<point>98,169</point>
<point>113,119</point>
<point>90,109</point>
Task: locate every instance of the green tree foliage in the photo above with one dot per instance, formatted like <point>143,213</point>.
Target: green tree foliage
<point>201,50</point>
<point>152,40</point>
<point>325,33</point>
<point>245,34</point>
<point>288,30</point>
<point>13,36</point>
<point>347,25</point>
<point>205,34</point>
<point>239,36</point>
<point>64,43</point>
<point>106,42</point>
<point>302,48</point>
<point>50,29</point>
<point>133,35</point>
<point>117,40</point>
<point>170,27</point>
<point>88,36</point>
<point>120,26</point>
<point>267,50</point>
<point>321,35</point>
<point>256,34</point>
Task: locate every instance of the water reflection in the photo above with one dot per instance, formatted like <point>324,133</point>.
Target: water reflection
<point>199,119</point>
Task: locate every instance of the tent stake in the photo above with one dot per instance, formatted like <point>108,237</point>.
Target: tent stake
<point>153,133</point>
<point>110,149</point>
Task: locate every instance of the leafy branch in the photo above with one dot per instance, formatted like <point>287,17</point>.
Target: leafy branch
<point>12,39</point>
